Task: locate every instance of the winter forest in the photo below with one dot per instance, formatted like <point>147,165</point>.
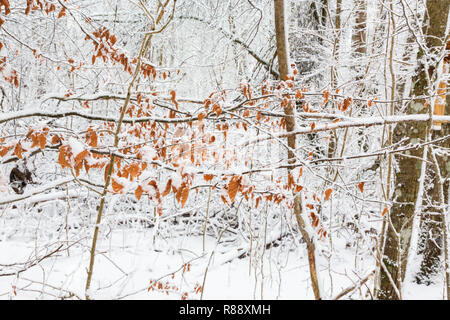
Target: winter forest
<point>224,149</point>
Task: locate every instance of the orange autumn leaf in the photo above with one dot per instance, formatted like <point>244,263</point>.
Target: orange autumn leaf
<point>299,94</point>
<point>80,157</point>
<point>91,138</point>
<point>224,199</point>
<point>184,195</point>
<point>361,186</point>
<point>233,187</point>
<point>201,116</point>
<point>134,170</point>
<point>346,104</point>
<point>173,95</point>
<point>328,194</point>
<point>315,222</point>
<point>87,166</point>
<point>38,139</point>
<point>291,181</point>
<point>168,188</point>
<point>207,104</point>
<point>208,177</point>
<point>55,139</point>
<point>62,13</point>
<point>245,90</point>
<point>138,192</point>
<point>258,116</point>
<point>77,168</point>
<point>217,109</point>
<point>154,184</point>
<point>177,192</point>
<point>117,187</point>
<point>300,172</point>
<point>257,202</point>
<point>18,150</point>
<point>32,135</point>
<point>4,150</point>
<point>384,211</point>
<point>64,156</point>
<point>42,138</point>
<point>326,96</point>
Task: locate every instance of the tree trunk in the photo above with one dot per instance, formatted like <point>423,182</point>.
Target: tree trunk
<point>431,239</point>
<point>283,65</point>
<point>337,25</point>
<point>359,36</point>
<point>359,50</point>
<point>408,174</point>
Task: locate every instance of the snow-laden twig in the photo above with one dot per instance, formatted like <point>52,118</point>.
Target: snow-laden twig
<point>361,122</point>
<point>354,287</point>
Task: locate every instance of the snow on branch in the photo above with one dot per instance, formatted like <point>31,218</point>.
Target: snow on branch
<point>36,191</point>
<point>361,122</point>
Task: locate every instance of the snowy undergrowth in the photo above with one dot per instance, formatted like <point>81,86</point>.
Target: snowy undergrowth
<point>130,261</point>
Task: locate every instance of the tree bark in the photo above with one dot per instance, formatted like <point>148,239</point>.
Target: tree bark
<point>359,33</point>
<point>337,25</point>
<point>283,65</point>
<point>408,174</point>
<point>431,239</point>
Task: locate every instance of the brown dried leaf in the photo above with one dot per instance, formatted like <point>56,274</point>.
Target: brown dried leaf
<point>134,170</point>
<point>184,195</point>
<point>361,186</point>
<point>138,192</point>
<point>80,157</point>
<point>168,188</point>
<point>91,138</point>
<point>62,13</point>
<point>173,97</point>
<point>64,156</point>
<point>116,186</point>
<point>326,96</point>
<point>55,139</point>
<point>4,150</point>
<point>328,194</point>
<point>18,150</point>
<point>201,116</point>
<point>42,140</point>
<point>208,177</point>
<point>233,187</point>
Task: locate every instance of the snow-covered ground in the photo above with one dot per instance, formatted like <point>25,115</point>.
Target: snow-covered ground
<point>127,261</point>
